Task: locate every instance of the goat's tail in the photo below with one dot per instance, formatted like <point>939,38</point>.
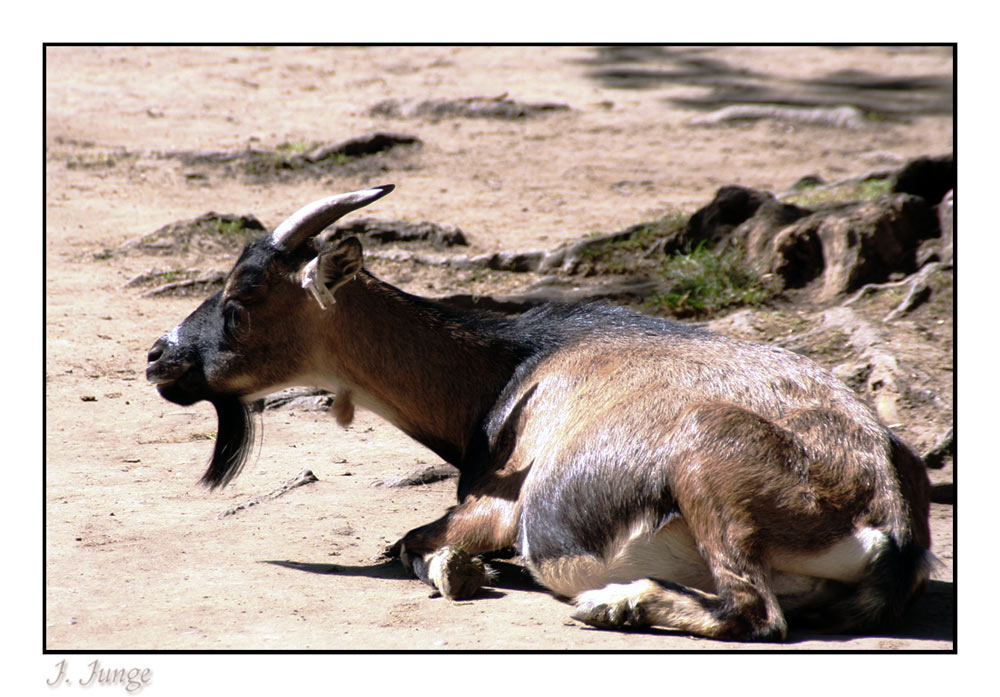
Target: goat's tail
<point>900,569</point>
<point>894,578</point>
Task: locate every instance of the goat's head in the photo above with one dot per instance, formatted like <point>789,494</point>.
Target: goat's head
<point>251,337</point>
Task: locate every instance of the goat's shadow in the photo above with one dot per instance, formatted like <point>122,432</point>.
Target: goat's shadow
<point>390,569</point>
<point>507,575</point>
<point>932,616</point>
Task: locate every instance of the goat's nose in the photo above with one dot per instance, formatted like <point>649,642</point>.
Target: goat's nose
<point>155,353</point>
<point>164,364</point>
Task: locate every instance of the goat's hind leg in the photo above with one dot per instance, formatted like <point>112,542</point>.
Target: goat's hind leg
<point>731,468</point>
<point>738,613</point>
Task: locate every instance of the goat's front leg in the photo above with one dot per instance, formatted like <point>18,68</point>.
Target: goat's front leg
<point>452,571</point>
<point>443,554</point>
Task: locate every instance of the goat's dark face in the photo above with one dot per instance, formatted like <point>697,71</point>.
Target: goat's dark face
<point>257,334</point>
<point>242,341</point>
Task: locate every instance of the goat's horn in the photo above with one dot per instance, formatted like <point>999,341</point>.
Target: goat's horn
<point>319,215</point>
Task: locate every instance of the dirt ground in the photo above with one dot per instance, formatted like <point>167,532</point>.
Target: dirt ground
<point>136,555</point>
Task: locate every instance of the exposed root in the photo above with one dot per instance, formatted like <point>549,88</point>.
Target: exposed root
<point>918,291</point>
<point>934,458</point>
<point>869,341</point>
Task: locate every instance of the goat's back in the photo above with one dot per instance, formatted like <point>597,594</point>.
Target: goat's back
<point>618,404</point>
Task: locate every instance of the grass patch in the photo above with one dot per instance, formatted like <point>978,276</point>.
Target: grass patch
<point>294,147</point>
<point>228,226</point>
<point>692,282</point>
<point>873,188</point>
<point>811,196</point>
<point>703,283</point>
<point>632,250</point>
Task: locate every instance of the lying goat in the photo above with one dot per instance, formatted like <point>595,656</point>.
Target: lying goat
<point>652,473</point>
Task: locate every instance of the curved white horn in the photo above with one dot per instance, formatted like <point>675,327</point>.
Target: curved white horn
<point>317,216</point>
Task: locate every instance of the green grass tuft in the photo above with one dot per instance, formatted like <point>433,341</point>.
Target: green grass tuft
<point>230,228</point>
<point>702,283</point>
<point>815,195</point>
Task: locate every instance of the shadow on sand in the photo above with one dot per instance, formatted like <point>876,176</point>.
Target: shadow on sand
<point>932,616</point>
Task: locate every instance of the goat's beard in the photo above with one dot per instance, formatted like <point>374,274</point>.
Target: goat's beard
<point>233,441</point>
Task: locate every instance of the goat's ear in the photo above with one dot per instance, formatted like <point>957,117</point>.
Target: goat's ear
<point>331,269</point>
<point>339,264</point>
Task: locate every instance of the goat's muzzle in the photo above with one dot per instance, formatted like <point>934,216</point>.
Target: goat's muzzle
<point>176,378</point>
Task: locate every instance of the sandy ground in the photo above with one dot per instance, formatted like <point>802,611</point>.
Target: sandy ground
<point>136,556</point>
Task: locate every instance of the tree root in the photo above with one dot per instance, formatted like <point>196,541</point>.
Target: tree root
<point>918,292</point>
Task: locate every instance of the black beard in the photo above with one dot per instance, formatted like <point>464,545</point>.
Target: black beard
<point>233,441</point>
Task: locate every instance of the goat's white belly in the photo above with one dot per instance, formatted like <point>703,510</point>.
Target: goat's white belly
<point>669,553</point>
<point>843,561</point>
<point>640,551</point>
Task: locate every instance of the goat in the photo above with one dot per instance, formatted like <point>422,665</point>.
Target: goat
<point>651,473</point>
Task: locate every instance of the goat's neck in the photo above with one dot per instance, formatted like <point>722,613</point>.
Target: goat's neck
<point>431,374</point>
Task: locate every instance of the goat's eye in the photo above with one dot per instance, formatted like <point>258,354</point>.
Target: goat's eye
<point>233,319</point>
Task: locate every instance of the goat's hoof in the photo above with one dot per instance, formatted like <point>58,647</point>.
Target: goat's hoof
<point>455,573</point>
<point>606,609</point>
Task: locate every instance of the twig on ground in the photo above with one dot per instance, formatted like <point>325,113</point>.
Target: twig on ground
<point>301,479</point>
